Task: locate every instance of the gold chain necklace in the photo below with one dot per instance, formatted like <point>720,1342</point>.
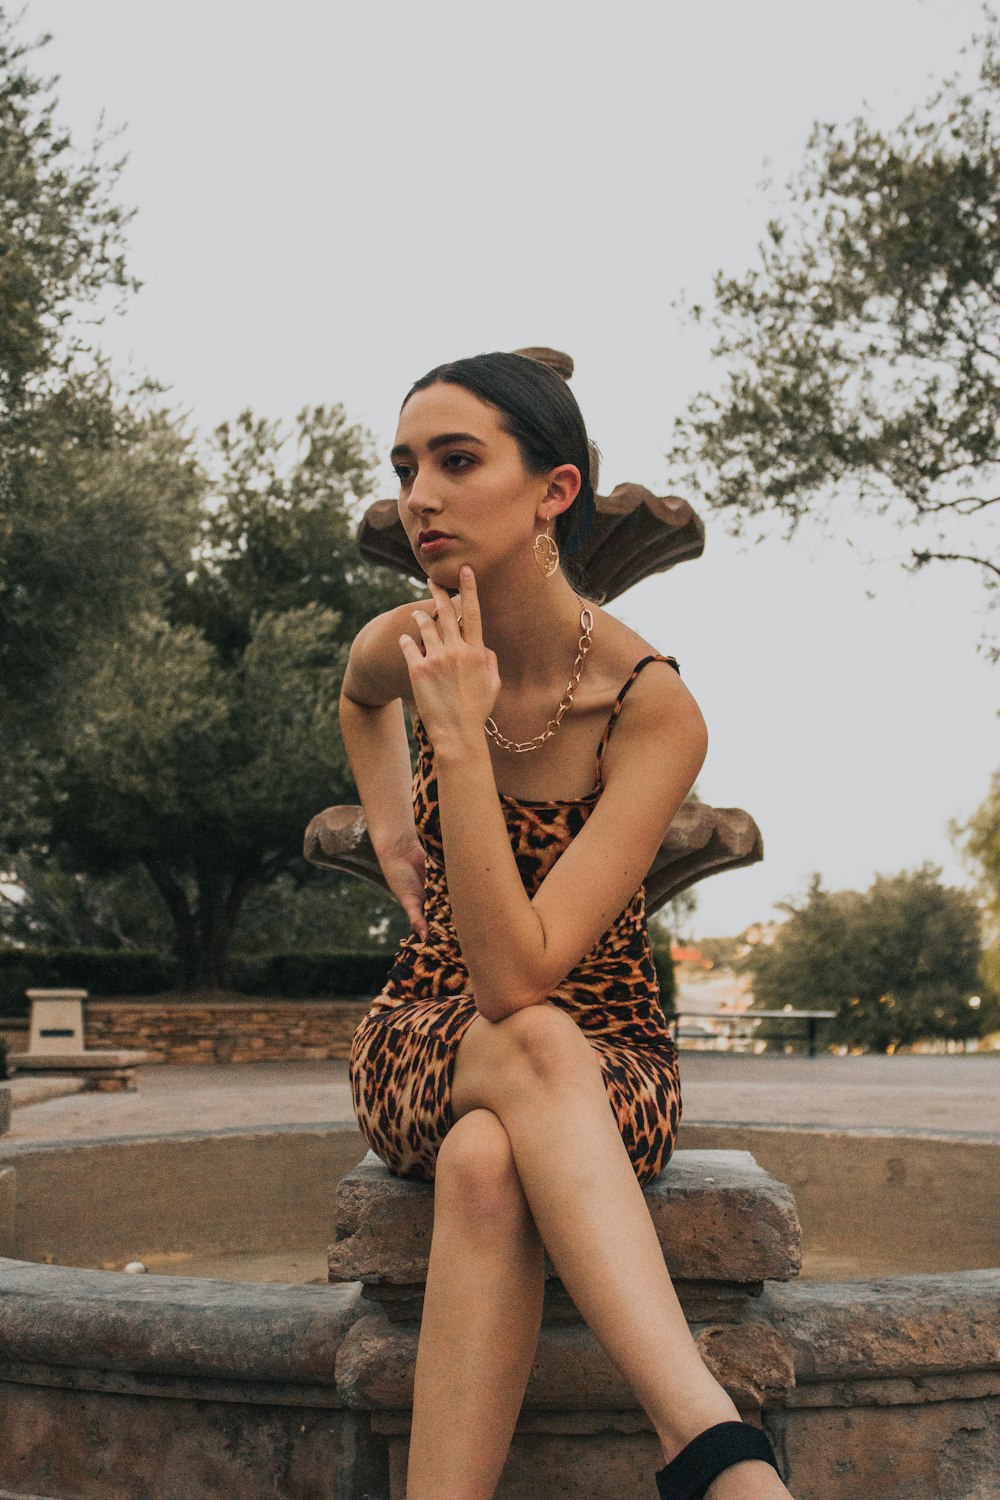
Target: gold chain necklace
<point>518,747</point>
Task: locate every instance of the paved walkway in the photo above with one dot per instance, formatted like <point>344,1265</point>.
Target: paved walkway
<point>959,1094</point>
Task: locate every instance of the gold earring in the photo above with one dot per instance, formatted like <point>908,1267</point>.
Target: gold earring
<point>546,553</point>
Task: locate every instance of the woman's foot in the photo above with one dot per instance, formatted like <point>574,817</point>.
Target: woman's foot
<point>751,1480</point>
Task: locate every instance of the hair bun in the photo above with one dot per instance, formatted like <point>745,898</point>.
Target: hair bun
<point>555,359</point>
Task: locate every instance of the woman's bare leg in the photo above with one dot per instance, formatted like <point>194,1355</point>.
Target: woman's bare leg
<point>538,1073</point>
<point>482,1313</point>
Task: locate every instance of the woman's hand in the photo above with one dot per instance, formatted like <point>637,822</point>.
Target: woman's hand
<point>454,678</point>
<point>403,868</point>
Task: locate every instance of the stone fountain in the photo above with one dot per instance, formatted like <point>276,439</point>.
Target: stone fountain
<point>158,1387</point>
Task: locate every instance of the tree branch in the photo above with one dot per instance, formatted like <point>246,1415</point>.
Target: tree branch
<point>919,558</point>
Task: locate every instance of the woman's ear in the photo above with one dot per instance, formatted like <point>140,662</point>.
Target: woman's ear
<point>563,488</point>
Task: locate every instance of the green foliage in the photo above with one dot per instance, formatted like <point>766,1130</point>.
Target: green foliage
<point>96,486</point>
<point>100,971</point>
<point>63,234</point>
<point>862,355</point>
<point>206,736</point>
<point>980,840</point>
<point>299,975</point>
<point>125,973</point>
<point>662,927</point>
<point>898,963</point>
<point>43,905</point>
<point>277,528</point>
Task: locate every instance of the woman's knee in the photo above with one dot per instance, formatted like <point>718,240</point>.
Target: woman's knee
<point>548,1045</point>
<point>476,1172</point>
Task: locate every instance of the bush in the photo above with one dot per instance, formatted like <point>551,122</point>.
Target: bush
<point>101,971</point>
<point>667,980</point>
<point>294,975</point>
<point>128,971</point>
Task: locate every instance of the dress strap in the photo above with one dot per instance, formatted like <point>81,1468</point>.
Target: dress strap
<point>619,701</point>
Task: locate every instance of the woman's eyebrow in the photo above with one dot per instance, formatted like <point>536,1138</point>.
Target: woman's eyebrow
<point>402,451</point>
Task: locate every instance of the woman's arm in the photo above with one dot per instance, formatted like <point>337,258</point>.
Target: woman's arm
<point>374,731</point>
<point>518,949</point>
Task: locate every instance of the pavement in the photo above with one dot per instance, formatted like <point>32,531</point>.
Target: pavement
<point>950,1095</point>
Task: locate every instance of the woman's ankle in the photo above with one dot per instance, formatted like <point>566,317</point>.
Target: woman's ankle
<point>679,1430</point>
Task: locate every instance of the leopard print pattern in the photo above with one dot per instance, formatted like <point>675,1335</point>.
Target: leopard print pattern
<point>403,1053</point>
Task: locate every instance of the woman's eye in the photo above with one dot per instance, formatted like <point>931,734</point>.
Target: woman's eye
<point>402,472</point>
<point>458,460</point>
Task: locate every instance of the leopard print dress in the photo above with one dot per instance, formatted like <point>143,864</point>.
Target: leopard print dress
<point>403,1053</point>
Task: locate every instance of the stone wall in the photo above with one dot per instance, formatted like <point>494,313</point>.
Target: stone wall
<point>225,1030</point>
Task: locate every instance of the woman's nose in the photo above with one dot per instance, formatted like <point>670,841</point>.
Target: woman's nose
<point>421,497</point>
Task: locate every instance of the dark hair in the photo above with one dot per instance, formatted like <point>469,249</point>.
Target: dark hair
<point>538,409</point>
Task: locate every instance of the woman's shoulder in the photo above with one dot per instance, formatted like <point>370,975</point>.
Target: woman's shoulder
<point>648,679</point>
<point>376,669</point>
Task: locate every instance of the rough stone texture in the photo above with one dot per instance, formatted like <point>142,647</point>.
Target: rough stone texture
<point>934,1451</point>
<point>907,1327</point>
<point>172,1325</point>
<point>180,1031</point>
<point>65,1444</point>
<point>8,1207</point>
<point>5,1109</point>
<point>717,1214</point>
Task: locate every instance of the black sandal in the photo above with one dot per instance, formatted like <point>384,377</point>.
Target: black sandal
<point>688,1475</point>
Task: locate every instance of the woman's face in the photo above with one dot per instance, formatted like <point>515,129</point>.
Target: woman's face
<point>464,493</point>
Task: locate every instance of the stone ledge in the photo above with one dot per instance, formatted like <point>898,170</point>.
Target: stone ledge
<point>914,1327</point>
<point>172,1325</point>
<point>73,1062</point>
<point>919,1341</point>
<point>718,1215</point>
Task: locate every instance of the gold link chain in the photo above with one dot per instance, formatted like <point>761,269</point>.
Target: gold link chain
<point>518,747</point>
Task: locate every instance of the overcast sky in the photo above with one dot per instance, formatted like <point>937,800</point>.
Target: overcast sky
<point>332,199</point>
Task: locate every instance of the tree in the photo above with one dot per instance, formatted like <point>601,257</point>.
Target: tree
<point>862,355</point>
<point>979,839</point>
<point>96,485</point>
<point>207,735</point>
<point>898,963</point>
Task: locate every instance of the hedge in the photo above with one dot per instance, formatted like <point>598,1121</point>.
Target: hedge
<point>132,972</point>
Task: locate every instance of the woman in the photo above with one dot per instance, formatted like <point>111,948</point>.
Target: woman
<point>524,1001</point>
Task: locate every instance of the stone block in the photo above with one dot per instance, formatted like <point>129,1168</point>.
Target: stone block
<point>947,1450</point>
<point>8,1207</point>
<point>910,1328</point>
<point>181,1326</point>
<point>76,1062</point>
<point>718,1216</point>
<point>570,1373</point>
<point>56,1020</point>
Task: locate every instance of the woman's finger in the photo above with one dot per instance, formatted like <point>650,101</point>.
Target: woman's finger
<point>472,624</point>
<point>447,614</point>
<point>410,650</point>
<point>430,634</point>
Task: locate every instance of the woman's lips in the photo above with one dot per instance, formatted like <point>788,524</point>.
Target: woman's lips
<point>434,544</point>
